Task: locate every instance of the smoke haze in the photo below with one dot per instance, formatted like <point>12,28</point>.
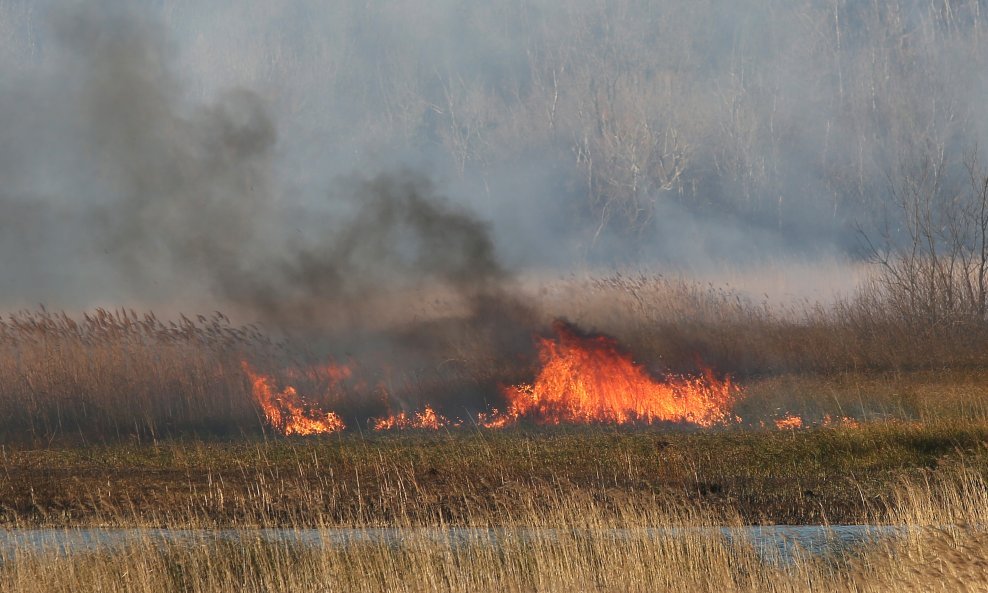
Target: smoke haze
<point>312,163</point>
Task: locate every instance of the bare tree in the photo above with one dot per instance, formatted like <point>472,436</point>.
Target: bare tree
<point>932,248</point>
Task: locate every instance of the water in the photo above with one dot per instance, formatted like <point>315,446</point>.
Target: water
<point>775,542</point>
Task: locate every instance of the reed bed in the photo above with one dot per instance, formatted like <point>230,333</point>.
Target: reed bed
<point>122,375</point>
<point>674,321</point>
<point>173,439</point>
<point>658,546</point>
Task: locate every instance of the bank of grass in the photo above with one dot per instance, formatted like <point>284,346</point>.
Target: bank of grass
<point>590,546</point>
<point>826,474</point>
<point>123,419</point>
<point>109,376</point>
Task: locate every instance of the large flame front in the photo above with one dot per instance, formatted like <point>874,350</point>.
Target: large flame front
<point>588,379</point>
<point>583,379</point>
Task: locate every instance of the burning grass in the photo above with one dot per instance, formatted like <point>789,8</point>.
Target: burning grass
<point>582,379</point>
<point>120,375</point>
<point>796,415</point>
<point>586,379</point>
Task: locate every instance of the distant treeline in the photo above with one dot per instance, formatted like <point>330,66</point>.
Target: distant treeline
<point>793,116</point>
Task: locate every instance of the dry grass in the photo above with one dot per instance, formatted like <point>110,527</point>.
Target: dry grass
<point>945,544</point>
<point>837,474</point>
<point>590,549</point>
<point>585,554</point>
<point>671,322</point>
<point>122,375</point>
<point>118,374</point>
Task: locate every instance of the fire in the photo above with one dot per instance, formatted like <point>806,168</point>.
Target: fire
<point>496,419</point>
<point>790,422</point>
<point>588,379</point>
<point>286,411</point>
<point>794,422</point>
<point>583,379</point>
<point>843,421</point>
<point>426,419</point>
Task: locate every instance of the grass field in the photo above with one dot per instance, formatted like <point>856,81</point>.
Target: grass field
<point>123,419</point>
<point>836,475</point>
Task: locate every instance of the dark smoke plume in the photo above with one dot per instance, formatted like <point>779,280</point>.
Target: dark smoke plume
<point>193,199</point>
<point>397,236</point>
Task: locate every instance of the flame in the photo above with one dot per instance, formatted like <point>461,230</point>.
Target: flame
<point>790,422</point>
<point>794,422</point>
<point>589,379</point>
<point>424,420</point>
<point>843,421</point>
<point>583,379</point>
<point>286,411</point>
<point>496,419</point>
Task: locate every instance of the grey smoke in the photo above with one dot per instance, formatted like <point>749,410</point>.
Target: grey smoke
<point>175,152</point>
<point>398,236</point>
<point>184,192</point>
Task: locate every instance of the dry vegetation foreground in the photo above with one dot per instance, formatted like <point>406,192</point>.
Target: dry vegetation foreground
<point>592,546</point>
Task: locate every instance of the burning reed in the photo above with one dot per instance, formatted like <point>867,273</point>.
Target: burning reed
<point>668,351</point>
<point>583,379</point>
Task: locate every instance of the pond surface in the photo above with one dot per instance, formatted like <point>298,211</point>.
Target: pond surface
<point>772,542</point>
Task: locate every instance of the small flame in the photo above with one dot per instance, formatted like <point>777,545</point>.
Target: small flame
<point>286,411</point>
<point>587,379</point>
<point>840,421</point>
<point>794,422</point>
<point>496,419</point>
<point>790,422</point>
<point>427,419</point>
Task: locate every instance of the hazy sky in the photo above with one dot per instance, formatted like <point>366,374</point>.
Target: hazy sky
<point>178,152</point>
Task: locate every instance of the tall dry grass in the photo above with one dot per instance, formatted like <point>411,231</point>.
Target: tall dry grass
<point>672,321</point>
<point>122,374</point>
<point>572,544</point>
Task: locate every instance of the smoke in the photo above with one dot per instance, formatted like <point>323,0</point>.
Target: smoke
<point>181,198</point>
<point>186,188</point>
<point>372,177</point>
<point>314,164</point>
<point>399,237</point>
<point>178,191</point>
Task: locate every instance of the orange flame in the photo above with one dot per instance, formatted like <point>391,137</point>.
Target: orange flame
<point>790,422</point>
<point>426,419</point>
<point>794,422</point>
<point>583,379</point>
<point>589,379</point>
<point>286,411</point>
<point>496,419</point>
